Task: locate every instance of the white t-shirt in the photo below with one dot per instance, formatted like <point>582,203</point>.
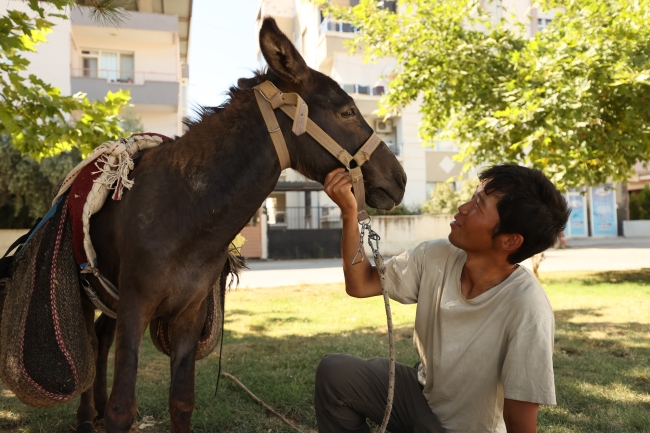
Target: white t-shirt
<point>479,351</point>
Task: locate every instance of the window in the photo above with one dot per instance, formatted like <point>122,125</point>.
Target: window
<point>90,63</point>
<point>114,66</point>
<point>363,90</point>
<point>542,23</point>
<point>390,5</point>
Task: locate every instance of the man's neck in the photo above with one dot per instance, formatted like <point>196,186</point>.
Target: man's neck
<point>481,273</point>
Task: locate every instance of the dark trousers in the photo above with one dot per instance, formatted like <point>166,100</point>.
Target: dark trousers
<point>351,389</point>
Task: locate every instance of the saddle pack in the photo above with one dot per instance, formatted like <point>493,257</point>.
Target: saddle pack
<point>46,357</point>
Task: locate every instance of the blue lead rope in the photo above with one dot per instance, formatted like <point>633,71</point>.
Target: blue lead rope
<point>48,216</point>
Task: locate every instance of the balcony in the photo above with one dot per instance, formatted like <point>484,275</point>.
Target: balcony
<point>83,16</point>
<point>357,89</point>
<point>332,36</point>
<point>158,91</point>
<point>329,25</point>
<point>124,76</point>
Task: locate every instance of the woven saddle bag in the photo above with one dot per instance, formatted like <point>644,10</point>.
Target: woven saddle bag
<point>46,356</point>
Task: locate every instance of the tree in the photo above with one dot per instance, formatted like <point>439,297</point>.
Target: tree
<point>571,101</point>
<point>445,198</point>
<point>40,121</point>
<point>27,186</point>
<point>130,122</point>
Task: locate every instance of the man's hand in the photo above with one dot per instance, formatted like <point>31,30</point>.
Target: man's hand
<point>338,186</point>
<point>362,279</point>
<point>520,416</point>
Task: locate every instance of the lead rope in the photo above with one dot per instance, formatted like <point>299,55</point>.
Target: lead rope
<point>373,242</point>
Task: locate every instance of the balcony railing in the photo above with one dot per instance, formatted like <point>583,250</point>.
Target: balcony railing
<point>328,25</point>
<point>358,89</point>
<point>124,76</point>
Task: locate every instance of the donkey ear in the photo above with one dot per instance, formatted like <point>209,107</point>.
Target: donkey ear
<point>280,54</point>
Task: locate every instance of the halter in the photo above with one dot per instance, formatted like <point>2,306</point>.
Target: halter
<point>270,97</point>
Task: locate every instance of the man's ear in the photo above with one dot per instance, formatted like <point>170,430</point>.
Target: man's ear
<point>280,54</point>
<point>510,242</point>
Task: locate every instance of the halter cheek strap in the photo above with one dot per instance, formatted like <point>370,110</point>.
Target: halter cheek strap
<point>270,97</point>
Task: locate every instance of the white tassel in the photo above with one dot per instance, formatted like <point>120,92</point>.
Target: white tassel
<point>115,175</point>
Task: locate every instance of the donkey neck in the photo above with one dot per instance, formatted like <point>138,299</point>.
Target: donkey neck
<point>231,164</point>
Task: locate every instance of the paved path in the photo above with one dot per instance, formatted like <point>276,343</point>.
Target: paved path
<point>604,254</point>
<point>291,272</point>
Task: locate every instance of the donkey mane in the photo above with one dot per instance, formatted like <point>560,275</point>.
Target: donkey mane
<point>202,112</point>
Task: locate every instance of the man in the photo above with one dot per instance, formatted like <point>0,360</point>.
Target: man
<point>483,329</point>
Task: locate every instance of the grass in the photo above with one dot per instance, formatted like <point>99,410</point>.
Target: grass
<point>275,338</point>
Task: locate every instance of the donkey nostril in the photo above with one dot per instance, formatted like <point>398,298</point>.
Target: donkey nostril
<point>403,178</point>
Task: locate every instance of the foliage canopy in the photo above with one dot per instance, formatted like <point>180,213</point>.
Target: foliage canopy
<point>38,118</point>
<point>571,100</point>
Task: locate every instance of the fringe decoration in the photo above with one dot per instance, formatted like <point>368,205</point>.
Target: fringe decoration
<point>115,174</point>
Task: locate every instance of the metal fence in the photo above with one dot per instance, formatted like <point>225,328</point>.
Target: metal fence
<point>304,232</point>
<point>304,218</point>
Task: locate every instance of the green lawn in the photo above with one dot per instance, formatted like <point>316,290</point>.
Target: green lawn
<point>275,338</point>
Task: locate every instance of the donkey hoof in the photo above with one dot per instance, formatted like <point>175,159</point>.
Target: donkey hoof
<point>85,427</point>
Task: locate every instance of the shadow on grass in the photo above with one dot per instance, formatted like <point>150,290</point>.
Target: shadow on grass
<point>601,375</point>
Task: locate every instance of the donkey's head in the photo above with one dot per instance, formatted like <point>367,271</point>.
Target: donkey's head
<point>331,108</point>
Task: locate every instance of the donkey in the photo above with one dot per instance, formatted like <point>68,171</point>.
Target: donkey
<point>165,243</point>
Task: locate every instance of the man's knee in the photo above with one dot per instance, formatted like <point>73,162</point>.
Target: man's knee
<point>330,368</point>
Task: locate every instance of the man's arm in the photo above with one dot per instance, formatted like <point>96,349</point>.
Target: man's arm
<point>362,279</point>
<point>520,416</point>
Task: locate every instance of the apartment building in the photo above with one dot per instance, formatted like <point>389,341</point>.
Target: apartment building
<point>147,55</point>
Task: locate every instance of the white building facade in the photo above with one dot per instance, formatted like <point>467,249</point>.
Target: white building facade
<point>146,55</point>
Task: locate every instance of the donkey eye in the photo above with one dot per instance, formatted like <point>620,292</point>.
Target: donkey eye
<point>348,113</point>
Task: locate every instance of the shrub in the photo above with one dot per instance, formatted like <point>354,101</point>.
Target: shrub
<point>445,199</point>
<point>640,204</point>
<point>397,210</point>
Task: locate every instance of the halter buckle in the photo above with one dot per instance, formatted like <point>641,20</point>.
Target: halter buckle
<point>275,99</point>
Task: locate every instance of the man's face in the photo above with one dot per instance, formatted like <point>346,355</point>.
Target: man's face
<point>474,223</point>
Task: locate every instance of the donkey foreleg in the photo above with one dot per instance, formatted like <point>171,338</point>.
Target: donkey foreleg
<point>185,333</point>
<point>105,331</point>
<point>132,321</point>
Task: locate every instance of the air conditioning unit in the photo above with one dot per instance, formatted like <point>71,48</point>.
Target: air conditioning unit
<point>384,127</point>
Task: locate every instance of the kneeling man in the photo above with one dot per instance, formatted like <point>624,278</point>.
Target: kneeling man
<point>483,327</point>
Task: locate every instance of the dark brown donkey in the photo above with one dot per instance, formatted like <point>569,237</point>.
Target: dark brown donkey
<point>164,244</point>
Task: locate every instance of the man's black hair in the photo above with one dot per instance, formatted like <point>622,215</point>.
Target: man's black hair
<point>529,205</point>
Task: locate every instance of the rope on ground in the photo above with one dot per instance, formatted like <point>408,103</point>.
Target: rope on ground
<point>260,402</point>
